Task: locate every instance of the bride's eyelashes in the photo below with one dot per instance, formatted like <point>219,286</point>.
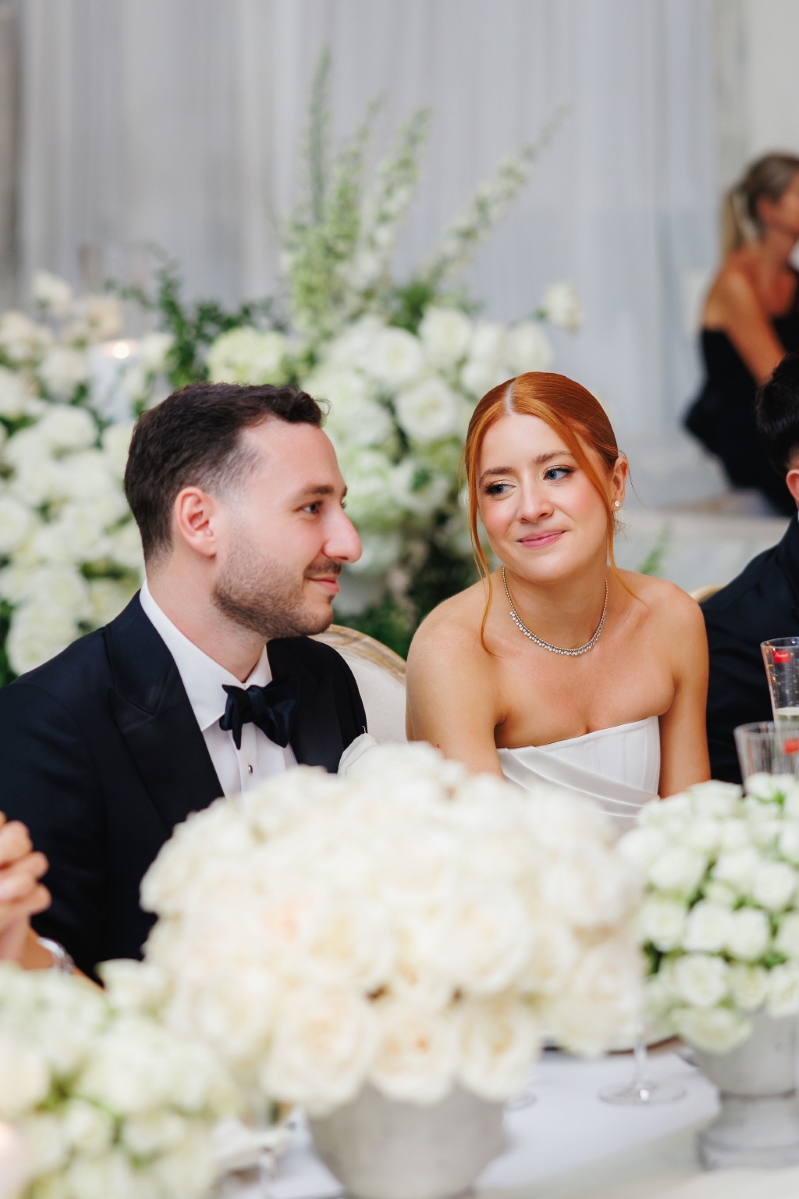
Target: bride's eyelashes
<point>554,474</point>
<point>496,489</point>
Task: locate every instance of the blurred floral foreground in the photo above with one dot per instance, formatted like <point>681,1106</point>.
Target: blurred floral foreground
<point>401,366</point>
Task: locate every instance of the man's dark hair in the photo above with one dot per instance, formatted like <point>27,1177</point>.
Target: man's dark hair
<point>193,439</point>
<point>777,412</point>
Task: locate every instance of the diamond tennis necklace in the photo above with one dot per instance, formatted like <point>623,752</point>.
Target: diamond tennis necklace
<point>555,649</point>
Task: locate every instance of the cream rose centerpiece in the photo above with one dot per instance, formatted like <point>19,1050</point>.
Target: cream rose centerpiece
<point>409,926</point>
<point>720,919</point>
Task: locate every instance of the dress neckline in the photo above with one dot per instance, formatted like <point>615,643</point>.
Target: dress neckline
<point>586,737</point>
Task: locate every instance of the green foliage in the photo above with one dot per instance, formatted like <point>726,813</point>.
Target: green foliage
<point>6,673</point>
<point>654,560</point>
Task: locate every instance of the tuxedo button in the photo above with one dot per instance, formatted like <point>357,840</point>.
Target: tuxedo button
<point>249,769</point>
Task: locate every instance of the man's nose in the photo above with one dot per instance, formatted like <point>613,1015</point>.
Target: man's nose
<point>342,543</point>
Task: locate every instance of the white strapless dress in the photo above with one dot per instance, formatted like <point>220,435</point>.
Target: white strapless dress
<point>618,768</point>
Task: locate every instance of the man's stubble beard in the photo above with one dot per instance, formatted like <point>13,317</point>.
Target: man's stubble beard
<point>263,595</point>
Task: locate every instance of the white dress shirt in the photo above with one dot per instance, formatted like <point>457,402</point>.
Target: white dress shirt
<point>259,758</point>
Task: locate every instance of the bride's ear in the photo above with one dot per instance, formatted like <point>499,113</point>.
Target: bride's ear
<point>618,482</point>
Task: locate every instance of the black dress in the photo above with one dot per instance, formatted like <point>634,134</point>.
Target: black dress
<point>723,415</point>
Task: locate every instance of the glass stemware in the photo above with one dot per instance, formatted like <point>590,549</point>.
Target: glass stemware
<point>641,1091</point>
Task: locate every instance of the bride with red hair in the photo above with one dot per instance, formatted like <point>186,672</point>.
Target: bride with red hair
<point>557,665</point>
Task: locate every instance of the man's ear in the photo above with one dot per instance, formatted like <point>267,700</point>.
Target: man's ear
<point>792,483</point>
<point>195,517</point>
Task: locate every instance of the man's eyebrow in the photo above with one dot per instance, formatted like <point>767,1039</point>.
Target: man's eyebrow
<point>537,461</point>
<point>319,489</point>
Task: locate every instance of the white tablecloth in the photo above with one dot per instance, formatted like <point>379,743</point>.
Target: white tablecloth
<point>568,1145</point>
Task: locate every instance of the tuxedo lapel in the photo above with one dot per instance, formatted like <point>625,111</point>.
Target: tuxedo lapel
<point>152,711</point>
<point>316,736</point>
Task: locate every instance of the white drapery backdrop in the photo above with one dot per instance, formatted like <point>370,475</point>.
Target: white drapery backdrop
<point>178,122</point>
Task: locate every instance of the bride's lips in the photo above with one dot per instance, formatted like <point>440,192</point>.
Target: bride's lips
<point>538,541</point>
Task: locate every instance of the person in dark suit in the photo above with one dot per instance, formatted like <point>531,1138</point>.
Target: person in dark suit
<point>208,682</point>
<point>763,602</point>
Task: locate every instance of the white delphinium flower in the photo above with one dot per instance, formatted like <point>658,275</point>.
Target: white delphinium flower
<point>51,292</point>
<point>748,935</point>
<point>445,334</point>
<point>528,348</point>
<point>417,1053</point>
<point>429,411</point>
<point>562,306</point>
<point>62,370</point>
<point>783,990</point>
<point>714,1029</point>
<point>393,358</point>
<point>248,355</point>
<point>701,980</point>
<point>14,393</point>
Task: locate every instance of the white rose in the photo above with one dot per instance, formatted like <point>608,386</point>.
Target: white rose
<point>445,334</point>
<point>773,885</point>
<point>60,586</point>
<point>665,813</point>
<point>351,348</point>
<point>484,939</point>
<point>783,990</point>
<point>100,1177</point>
<point>68,428</point>
<point>715,799</point>
<point>188,1171</point>
<point>24,1076</point>
<point>371,501</point>
<point>737,867</point>
<point>133,986</point>
<point>16,522</point>
<point>678,869</point>
<point>116,443</point>
<point>766,787</point>
<point>107,598</point>
<point>498,1043</point>
<point>86,476</point>
<point>562,306</point>
<point>13,393</point>
<point>416,1054</point>
<point>45,1141</point>
<point>528,348</point>
<point>247,356</point>
<point>21,339</point>
<point>323,1045</point>
<point>601,1005</point>
<point>415,979</point>
<point>232,1010</point>
<point>380,551</point>
<point>787,938</point>
<point>86,1127</point>
<point>701,980</point>
<point>415,488</point>
<point>714,1029</point>
<point>703,834</point>
<point>39,630</point>
<point>707,929</point>
<point>153,349</point>
<point>101,316</point>
<point>720,893</point>
<point>641,846</point>
<point>51,292</point>
<point>394,358</point>
<point>480,375</point>
<point>76,535</point>
<point>749,986</point>
<point>590,886</point>
<point>153,1132</point>
<point>662,922</point>
<point>125,546</point>
<point>733,834</point>
<point>749,934</point>
<point>62,370</point>
<point>788,841</point>
<point>428,411</point>
<point>355,418</point>
<point>351,946</point>
<point>554,952</point>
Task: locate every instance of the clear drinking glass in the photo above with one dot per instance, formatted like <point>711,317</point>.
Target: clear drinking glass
<point>768,746</point>
<point>781,659</point>
<point>641,1091</point>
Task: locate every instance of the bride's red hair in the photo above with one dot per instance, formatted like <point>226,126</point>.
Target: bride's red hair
<point>566,407</point>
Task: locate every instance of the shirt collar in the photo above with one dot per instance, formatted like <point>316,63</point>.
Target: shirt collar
<point>202,677</point>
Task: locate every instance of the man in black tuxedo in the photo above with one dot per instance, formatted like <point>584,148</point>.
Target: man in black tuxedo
<point>763,602</point>
<point>208,682</point>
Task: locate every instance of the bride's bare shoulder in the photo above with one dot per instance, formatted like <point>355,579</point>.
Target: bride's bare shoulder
<point>668,604</point>
<point>454,624</point>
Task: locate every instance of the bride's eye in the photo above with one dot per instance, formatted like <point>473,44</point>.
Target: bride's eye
<point>555,473</point>
<point>496,488</point>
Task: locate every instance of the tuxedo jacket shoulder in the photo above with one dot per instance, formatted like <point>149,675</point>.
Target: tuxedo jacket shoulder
<point>102,756</point>
<point>761,603</point>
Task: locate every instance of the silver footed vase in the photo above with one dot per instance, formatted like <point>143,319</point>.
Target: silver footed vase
<point>758,1124</point>
<point>380,1148</point>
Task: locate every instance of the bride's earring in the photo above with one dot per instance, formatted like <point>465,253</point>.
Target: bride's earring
<point>616,504</point>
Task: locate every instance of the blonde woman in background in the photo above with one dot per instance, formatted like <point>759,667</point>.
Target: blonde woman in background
<point>750,320</point>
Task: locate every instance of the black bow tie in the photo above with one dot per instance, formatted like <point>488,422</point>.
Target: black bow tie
<point>270,708</point>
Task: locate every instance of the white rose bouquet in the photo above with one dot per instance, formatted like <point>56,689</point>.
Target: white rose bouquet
<point>110,1103</point>
<point>409,925</point>
<point>720,919</point>
<point>70,555</point>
